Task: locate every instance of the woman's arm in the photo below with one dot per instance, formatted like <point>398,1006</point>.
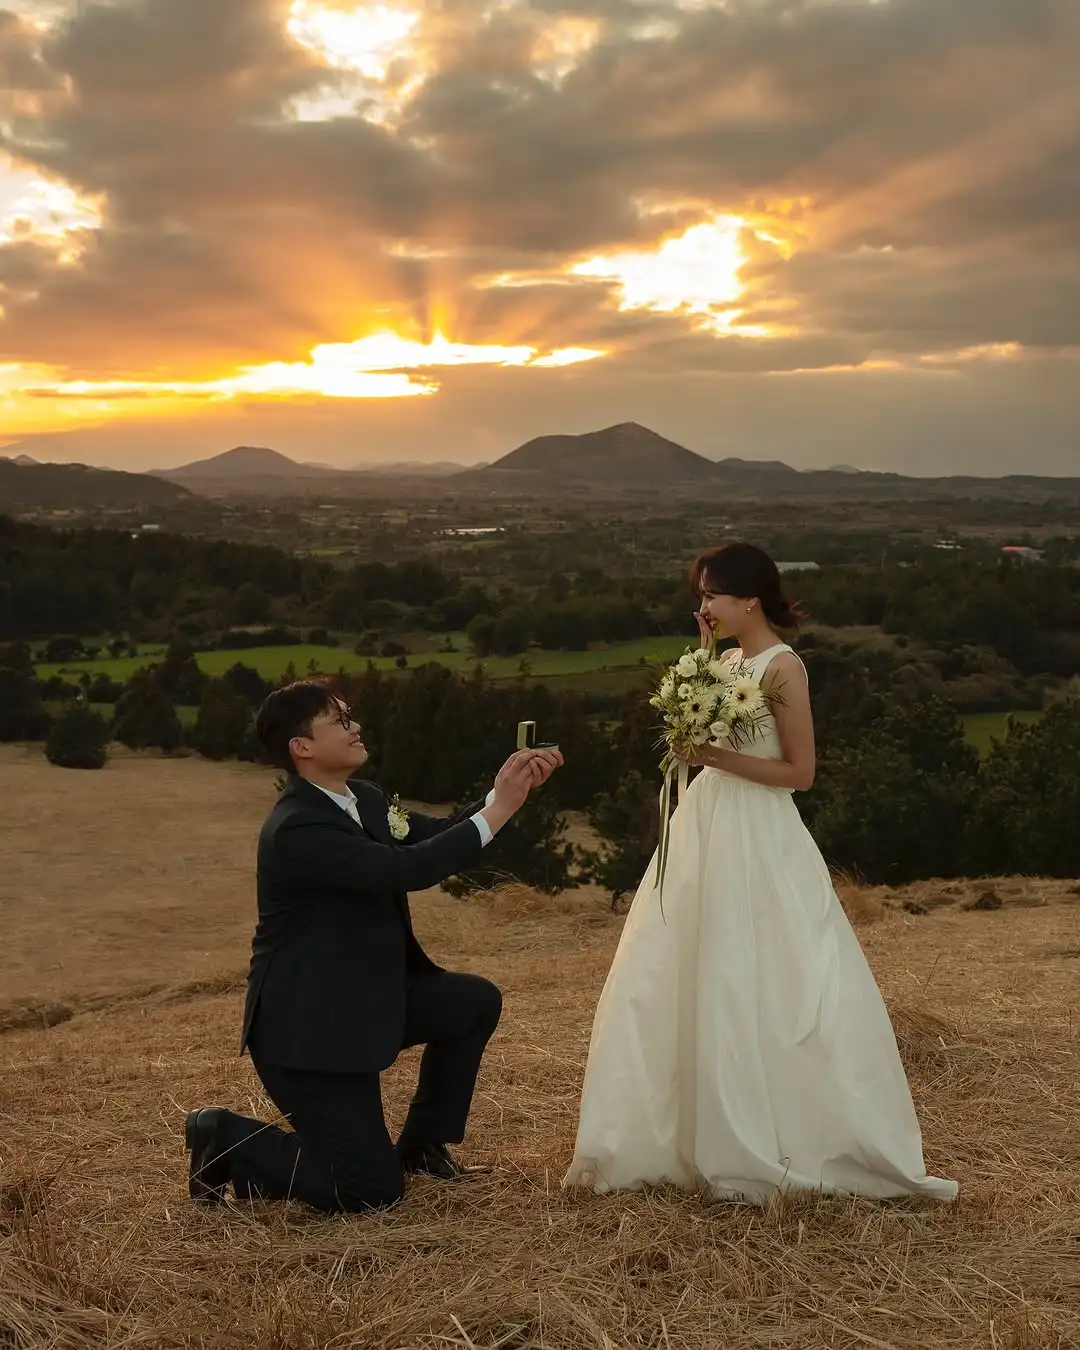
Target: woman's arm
<point>794,725</point>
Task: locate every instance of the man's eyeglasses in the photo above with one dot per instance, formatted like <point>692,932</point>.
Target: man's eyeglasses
<point>344,717</point>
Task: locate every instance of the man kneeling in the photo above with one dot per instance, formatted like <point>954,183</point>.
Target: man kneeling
<point>339,985</point>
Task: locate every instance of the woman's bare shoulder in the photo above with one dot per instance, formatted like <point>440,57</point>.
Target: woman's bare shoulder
<point>784,666</point>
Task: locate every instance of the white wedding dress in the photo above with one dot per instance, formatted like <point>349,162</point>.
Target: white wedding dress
<point>741,1046</point>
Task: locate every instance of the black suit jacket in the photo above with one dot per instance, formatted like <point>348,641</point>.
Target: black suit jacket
<point>334,944</point>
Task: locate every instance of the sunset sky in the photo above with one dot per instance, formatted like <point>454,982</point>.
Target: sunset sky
<point>824,231</point>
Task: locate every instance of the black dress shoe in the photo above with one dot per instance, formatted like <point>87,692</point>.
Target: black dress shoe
<point>437,1162</point>
<point>209,1172</point>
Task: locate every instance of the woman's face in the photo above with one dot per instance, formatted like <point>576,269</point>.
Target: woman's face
<point>724,612</point>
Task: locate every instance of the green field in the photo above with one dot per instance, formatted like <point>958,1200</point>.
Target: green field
<point>608,670</point>
<point>272,662</point>
<point>982,729</point>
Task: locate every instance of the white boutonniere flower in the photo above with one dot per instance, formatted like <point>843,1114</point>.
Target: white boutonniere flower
<point>398,820</point>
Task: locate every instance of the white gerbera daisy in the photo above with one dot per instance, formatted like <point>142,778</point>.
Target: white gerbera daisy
<point>747,696</point>
<point>701,705</point>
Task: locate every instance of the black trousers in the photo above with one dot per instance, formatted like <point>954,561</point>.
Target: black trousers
<point>338,1155</point>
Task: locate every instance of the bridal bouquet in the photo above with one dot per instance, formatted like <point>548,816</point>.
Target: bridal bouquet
<point>704,702</point>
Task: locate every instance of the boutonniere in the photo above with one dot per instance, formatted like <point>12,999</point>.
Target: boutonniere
<point>398,819</point>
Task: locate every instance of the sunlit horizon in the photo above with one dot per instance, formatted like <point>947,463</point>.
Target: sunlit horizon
<point>380,366</point>
<point>454,224</point>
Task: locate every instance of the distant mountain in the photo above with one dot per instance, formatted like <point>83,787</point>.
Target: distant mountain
<point>254,465</point>
<point>23,461</point>
<point>755,466</point>
<point>626,455</point>
<point>415,468</point>
<point>244,461</point>
<point>66,487</point>
<point>630,456</point>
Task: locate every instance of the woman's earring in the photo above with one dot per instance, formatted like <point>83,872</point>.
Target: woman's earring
<point>749,609</point>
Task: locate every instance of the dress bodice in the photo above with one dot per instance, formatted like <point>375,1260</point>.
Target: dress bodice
<point>765,744</point>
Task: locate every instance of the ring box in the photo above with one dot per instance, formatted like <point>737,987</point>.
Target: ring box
<point>526,738</point>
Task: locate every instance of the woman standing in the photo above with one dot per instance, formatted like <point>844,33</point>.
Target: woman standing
<point>741,1045</point>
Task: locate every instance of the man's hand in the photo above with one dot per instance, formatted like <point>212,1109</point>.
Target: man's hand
<point>523,771</point>
<point>545,762</point>
<point>516,779</point>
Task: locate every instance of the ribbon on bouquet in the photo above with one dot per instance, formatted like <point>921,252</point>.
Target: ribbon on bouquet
<point>677,777</point>
<point>676,774</point>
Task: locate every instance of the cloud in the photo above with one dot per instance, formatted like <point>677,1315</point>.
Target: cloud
<point>907,171</point>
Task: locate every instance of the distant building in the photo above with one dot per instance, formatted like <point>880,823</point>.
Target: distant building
<point>1023,554</point>
<point>149,529</point>
<point>948,545</point>
<point>797,566</point>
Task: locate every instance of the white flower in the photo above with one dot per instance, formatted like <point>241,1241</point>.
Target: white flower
<point>702,702</point>
<point>667,687</point>
<point>398,821</point>
<point>702,657</point>
<point>719,670</point>
<point>685,691</point>
<point>687,666</point>
<point>747,696</point>
<point>720,730</point>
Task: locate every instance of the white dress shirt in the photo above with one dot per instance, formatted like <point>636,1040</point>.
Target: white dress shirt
<point>348,805</point>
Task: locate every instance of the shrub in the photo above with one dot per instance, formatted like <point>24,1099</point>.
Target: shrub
<point>532,849</point>
<point>1025,818</point>
<point>102,689</point>
<point>23,716</point>
<point>223,725</point>
<point>894,805</point>
<point>146,715</point>
<point>78,739</point>
<point>628,823</point>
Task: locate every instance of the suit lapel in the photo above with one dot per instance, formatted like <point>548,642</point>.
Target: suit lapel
<point>371,804</point>
<point>316,797</point>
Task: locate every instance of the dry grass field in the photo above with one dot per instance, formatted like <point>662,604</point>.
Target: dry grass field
<point>126,904</point>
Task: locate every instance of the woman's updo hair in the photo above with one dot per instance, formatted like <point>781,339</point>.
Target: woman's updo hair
<point>746,572</point>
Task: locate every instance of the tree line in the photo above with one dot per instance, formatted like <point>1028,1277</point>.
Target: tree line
<point>899,794</point>
<point>999,626</point>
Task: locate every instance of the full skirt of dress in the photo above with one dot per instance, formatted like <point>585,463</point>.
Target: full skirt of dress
<point>741,1045</point>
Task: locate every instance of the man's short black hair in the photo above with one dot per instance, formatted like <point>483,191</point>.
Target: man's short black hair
<point>288,712</point>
